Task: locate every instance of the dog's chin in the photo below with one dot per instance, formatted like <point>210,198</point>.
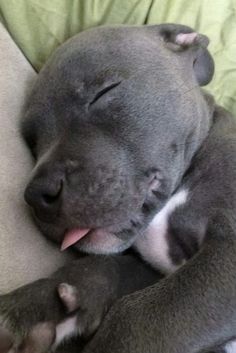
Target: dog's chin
<point>97,241</point>
<point>103,242</point>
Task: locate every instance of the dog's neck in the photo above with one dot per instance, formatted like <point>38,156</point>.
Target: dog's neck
<point>206,113</point>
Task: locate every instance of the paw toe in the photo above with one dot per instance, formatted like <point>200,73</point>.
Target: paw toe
<point>69,296</point>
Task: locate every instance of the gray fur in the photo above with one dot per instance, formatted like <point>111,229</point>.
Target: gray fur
<point>107,143</point>
<point>115,110</point>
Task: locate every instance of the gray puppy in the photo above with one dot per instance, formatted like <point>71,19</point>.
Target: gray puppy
<point>130,152</point>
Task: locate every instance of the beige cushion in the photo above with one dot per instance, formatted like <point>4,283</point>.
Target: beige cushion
<point>24,253</point>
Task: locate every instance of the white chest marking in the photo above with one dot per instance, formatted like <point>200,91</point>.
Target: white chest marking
<point>231,347</point>
<point>153,245</point>
<point>66,330</point>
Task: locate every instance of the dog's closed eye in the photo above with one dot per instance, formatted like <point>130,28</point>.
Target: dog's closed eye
<point>103,92</point>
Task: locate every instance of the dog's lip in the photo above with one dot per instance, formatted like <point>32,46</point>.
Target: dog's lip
<point>74,235</point>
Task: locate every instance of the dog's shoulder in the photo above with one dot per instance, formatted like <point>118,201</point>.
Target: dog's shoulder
<point>224,125</point>
<point>216,156</point>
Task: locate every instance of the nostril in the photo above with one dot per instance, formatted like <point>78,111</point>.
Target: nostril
<point>44,197</point>
<point>52,195</point>
<point>49,199</point>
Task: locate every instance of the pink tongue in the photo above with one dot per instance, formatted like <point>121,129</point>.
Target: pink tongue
<point>72,237</point>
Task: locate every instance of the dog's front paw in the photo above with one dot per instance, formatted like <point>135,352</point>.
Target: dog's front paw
<point>39,339</point>
<point>86,310</point>
<point>87,289</point>
<point>73,302</point>
<point>29,317</point>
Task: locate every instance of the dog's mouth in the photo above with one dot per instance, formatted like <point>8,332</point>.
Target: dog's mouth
<point>73,236</point>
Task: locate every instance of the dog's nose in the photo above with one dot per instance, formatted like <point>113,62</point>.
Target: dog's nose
<point>44,198</point>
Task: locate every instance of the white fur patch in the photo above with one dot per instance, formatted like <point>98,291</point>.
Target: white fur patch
<point>153,245</point>
<point>230,347</point>
<point>66,330</point>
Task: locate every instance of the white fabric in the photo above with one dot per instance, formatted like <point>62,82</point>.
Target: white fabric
<point>24,253</point>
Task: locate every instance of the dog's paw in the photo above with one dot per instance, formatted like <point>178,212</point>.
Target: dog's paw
<point>29,317</point>
<point>86,310</point>
<point>38,318</point>
<point>41,315</point>
<point>38,339</point>
<point>87,289</point>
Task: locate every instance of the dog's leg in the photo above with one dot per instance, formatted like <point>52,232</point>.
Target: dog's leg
<point>71,303</point>
<point>191,311</point>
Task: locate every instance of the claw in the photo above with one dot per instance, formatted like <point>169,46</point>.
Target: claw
<point>69,296</point>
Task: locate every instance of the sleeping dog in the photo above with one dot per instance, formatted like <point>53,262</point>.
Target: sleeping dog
<point>130,154</point>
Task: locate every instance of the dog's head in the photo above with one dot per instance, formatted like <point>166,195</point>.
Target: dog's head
<point>113,122</point>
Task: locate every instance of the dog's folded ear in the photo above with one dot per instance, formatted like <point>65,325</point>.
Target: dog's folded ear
<point>184,39</point>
